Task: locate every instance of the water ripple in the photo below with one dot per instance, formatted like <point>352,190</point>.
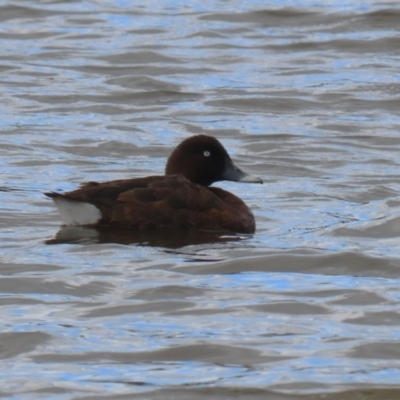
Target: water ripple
<point>305,96</point>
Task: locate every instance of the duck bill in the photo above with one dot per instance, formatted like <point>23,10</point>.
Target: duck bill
<point>235,174</point>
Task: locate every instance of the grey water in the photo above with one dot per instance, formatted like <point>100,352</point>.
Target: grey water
<point>305,95</point>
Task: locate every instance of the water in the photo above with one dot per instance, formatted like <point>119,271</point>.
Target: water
<point>305,97</point>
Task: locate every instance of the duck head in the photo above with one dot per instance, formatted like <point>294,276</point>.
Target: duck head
<point>203,160</point>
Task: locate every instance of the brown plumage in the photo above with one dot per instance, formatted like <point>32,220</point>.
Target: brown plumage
<point>180,199</point>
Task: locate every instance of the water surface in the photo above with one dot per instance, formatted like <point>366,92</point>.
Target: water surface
<point>306,97</point>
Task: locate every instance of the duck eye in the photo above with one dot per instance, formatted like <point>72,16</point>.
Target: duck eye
<point>206,153</point>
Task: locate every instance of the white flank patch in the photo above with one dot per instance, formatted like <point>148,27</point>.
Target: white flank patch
<point>77,212</point>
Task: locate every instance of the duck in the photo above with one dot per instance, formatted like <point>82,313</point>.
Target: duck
<point>182,198</point>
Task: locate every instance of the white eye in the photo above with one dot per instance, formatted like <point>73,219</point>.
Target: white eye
<point>206,154</point>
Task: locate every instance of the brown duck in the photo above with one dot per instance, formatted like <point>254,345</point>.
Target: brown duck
<point>180,199</point>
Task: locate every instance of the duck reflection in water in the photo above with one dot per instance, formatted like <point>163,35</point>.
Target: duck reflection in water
<point>180,202</point>
<point>162,237</point>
